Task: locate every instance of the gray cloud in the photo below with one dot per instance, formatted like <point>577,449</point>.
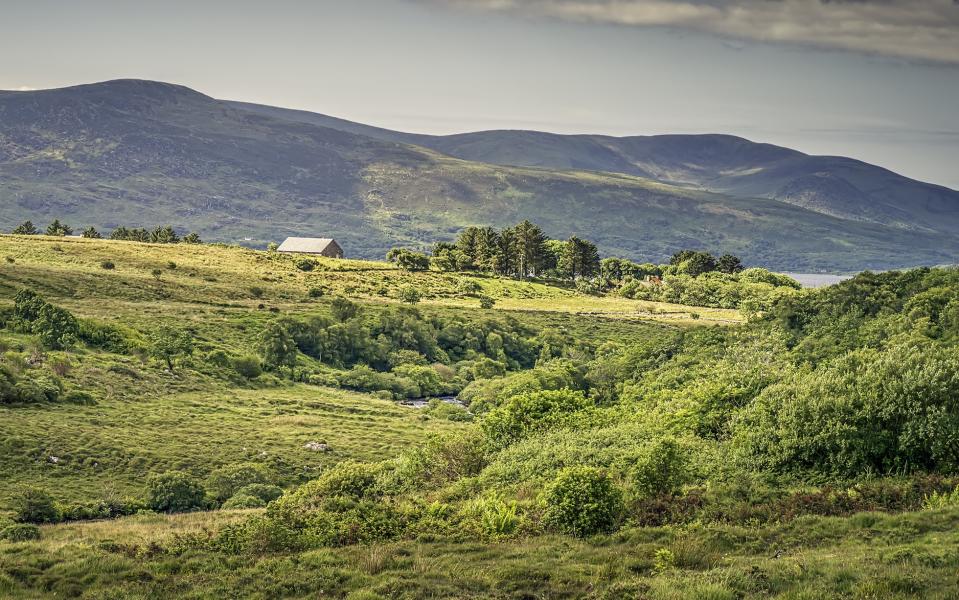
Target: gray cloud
<point>915,30</point>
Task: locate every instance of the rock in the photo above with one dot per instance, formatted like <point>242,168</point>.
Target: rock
<point>317,447</point>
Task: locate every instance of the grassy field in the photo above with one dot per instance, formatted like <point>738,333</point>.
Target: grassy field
<point>150,420</point>
<point>197,419</point>
<point>866,556</point>
<point>232,278</point>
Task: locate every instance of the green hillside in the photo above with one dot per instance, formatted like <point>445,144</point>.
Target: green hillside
<point>205,421</point>
<point>137,153</point>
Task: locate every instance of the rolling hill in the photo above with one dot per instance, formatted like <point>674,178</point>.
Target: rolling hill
<point>133,152</point>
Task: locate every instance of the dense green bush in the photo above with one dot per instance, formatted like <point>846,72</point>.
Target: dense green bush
<point>34,505</point>
<point>869,411</point>
<point>663,469</point>
<point>174,491</point>
<point>264,491</point>
<point>248,367</point>
<point>582,501</point>
<point>527,413</point>
<point>20,532</point>
<point>227,481</point>
<point>243,501</point>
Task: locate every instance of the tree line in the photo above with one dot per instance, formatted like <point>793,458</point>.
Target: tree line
<point>161,234</point>
<point>523,251</point>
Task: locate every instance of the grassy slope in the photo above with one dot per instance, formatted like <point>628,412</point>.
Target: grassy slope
<point>148,420</point>
<point>155,420</point>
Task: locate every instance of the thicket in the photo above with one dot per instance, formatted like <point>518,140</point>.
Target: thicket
<point>835,401</point>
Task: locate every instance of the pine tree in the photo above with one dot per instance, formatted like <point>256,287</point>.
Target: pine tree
<point>26,228</point>
<point>59,229</point>
<point>529,248</point>
<point>580,258</point>
<point>91,233</point>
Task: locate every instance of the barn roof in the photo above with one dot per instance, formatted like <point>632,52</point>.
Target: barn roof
<point>302,244</point>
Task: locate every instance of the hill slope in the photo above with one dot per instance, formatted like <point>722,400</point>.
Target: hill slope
<point>832,185</point>
<point>140,153</point>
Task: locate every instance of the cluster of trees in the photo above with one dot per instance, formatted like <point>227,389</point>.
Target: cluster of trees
<point>522,251</point>
<point>399,350</point>
<point>158,235</point>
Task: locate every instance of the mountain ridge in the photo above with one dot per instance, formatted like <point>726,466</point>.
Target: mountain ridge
<point>133,152</point>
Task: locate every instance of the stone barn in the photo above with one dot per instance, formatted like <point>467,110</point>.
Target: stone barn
<point>319,246</point>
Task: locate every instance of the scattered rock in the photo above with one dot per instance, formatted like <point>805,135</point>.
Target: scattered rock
<point>54,459</point>
<point>317,447</point>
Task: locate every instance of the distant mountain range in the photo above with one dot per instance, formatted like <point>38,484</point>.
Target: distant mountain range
<point>133,153</point>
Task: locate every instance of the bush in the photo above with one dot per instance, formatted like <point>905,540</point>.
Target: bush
<point>226,481</point>
<point>486,302</point>
<point>174,491</point>
<point>248,366</point>
<point>243,501</point>
<point>34,505</point>
<point>346,479</point>
<point>264,491</point>
<point>20,532</point>
<point>409,295</point>
<point>315,293</point>
<point>531,412</point>
<point>108,265</point>
<point>582,501</point>
<point>499,517</point>
<point>306,264</point>
<point>663,470</point>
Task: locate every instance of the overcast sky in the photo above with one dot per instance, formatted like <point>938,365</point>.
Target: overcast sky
<point>872,79</point>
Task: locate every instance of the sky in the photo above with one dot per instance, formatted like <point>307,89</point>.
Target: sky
<point>876,80</point>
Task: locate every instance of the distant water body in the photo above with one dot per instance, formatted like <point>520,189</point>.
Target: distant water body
<point>814,280</point>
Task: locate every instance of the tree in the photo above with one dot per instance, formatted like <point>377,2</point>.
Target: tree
<point>728,263</point>
<point>168,343</point>
<point>26,228</point>
<point>698,263</point>
<point>278,348</point>
<point>59,229</point>
<point>57,328</point>
<point>174,491</point>
<point>409,295</point>
<point>343,309</point>
<point>529,247</point>
<point>409,260</point>
<point>192,238</point>
<point>164,235</point>
<point>580,258</point>
<point>91,233</point>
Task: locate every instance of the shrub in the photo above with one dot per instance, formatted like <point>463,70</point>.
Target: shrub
<point>20,532</point>
<point>34,505</point>
<point>243,501</point>
<point>256,291</point>
<point>157,274</point>
<point>343,309</point>
<point>315,292</point>
<point>306,264</point>
<point>409,295</point>
<point>171,265</point>
<point>582,501</point>
<point>174,491</point>
<point>264,491</point>
<point>937,500</point>
<point>248,366</point>
<point>531,412</point>
<point>226,481</point>
<point>346,479</point>
<point>499,517</point>
<point>663,470</point>
<point>486,302</point>
<point>108,265</point>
